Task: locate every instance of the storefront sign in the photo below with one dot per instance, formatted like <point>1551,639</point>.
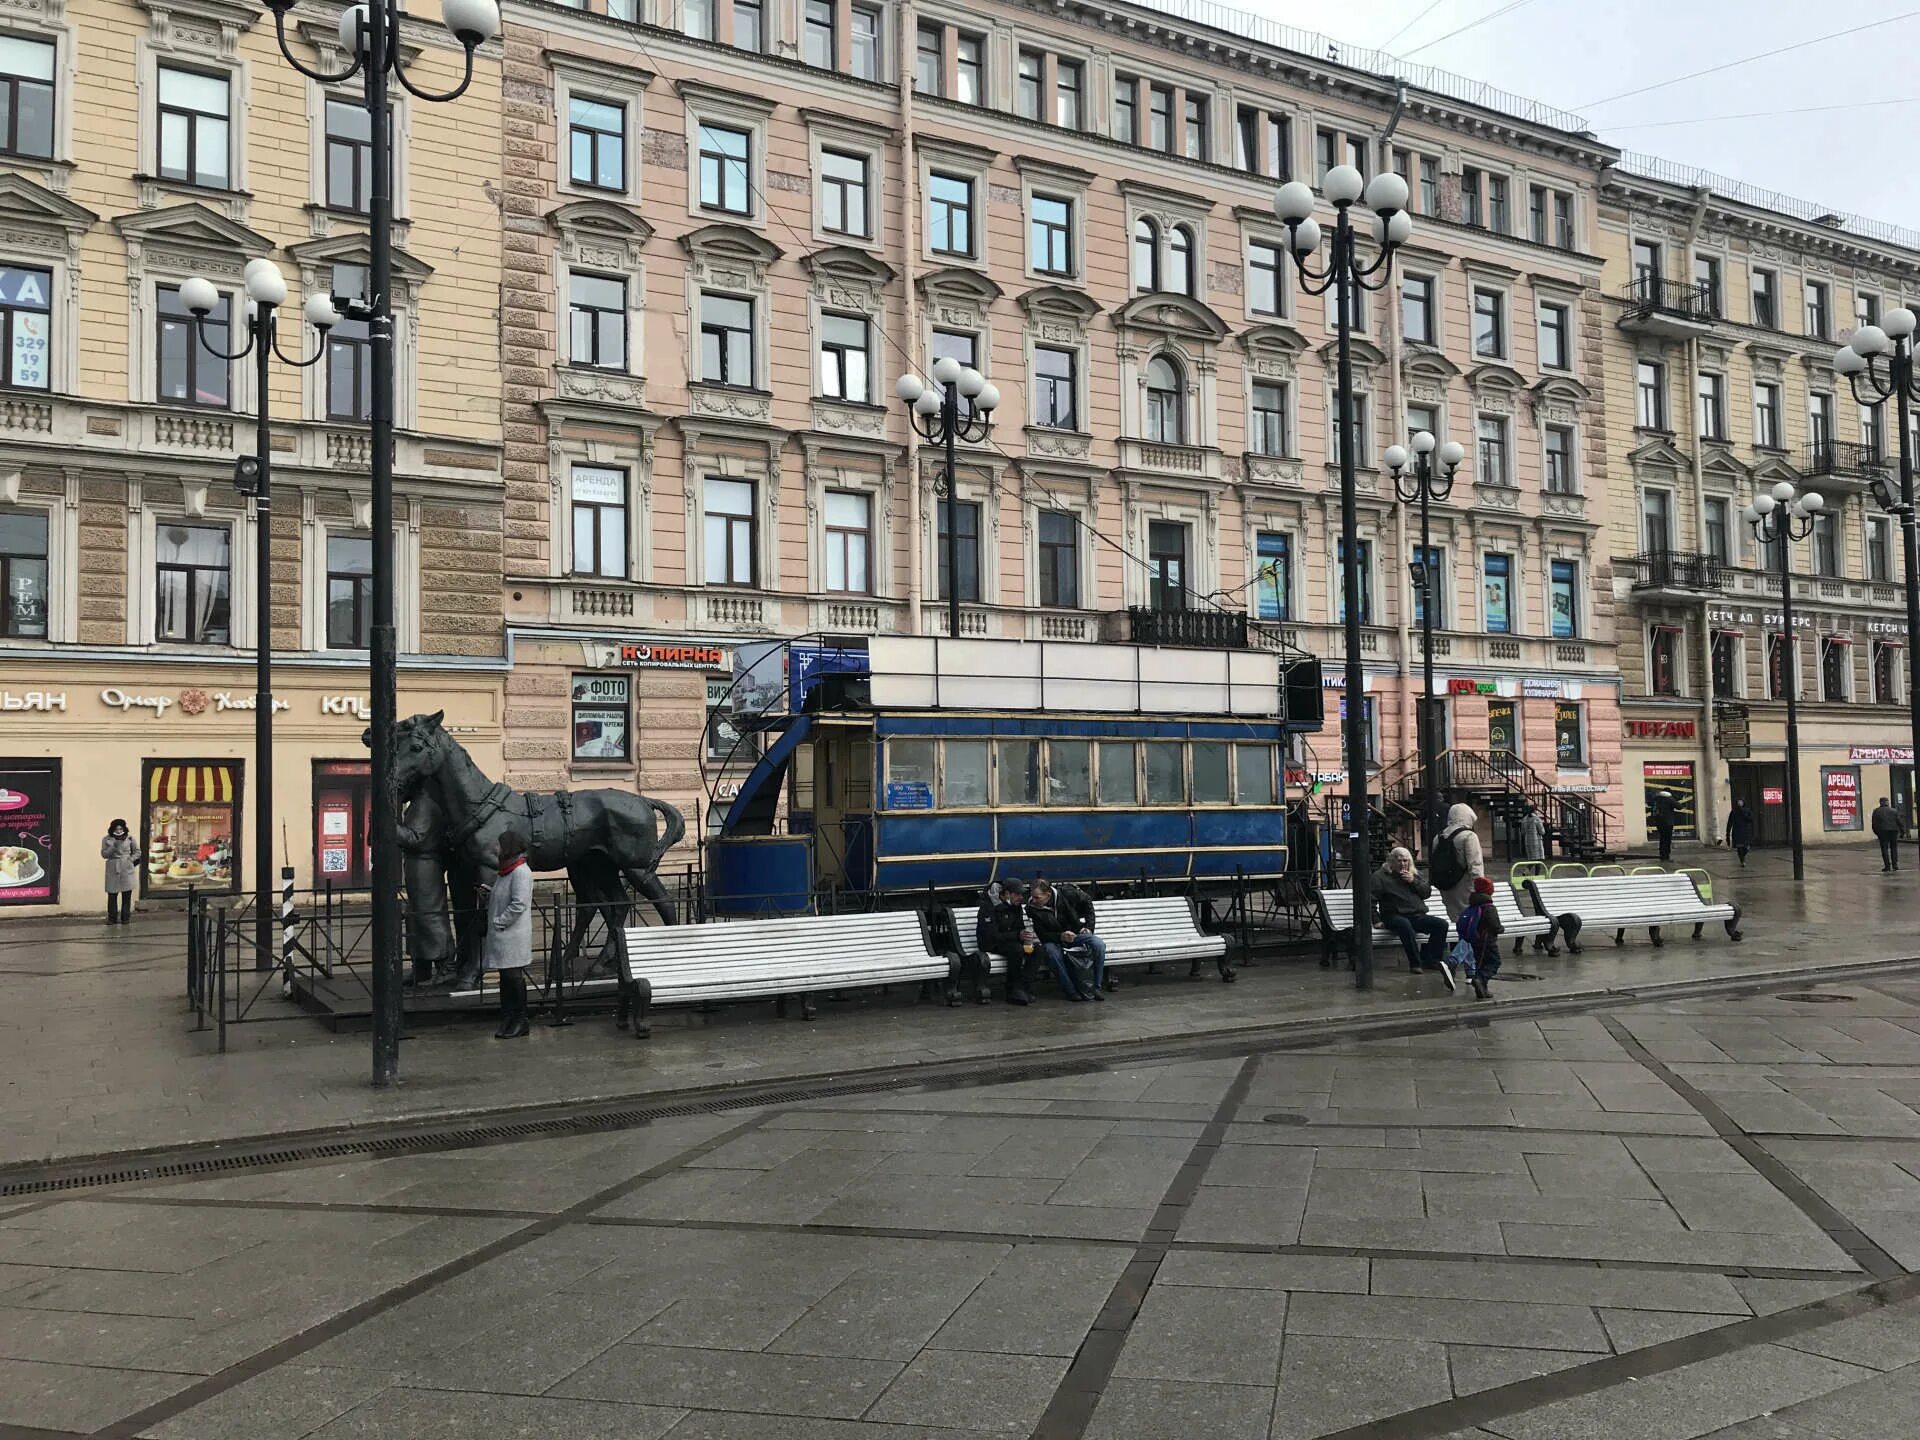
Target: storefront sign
<point>1840,793</point>
<point>189,825</point>
<point>1731,731</point>
<point>1772,795</point>
<point>120,700</point>
<point>224,701</point>
<point>1676,778</point>
<point>1660,729</point>
<point>29,832</point>
<point>909,795</point>
<point>672,656</point>
<point>1579,789</point>
<point>1540,689</point>
<point>1472,687</point>
<point>1881,754</point>
<point>345,705</point>
<point>40,700</point>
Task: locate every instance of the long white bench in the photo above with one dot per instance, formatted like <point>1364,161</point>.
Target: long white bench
<point>797,956</point>
<point>1623,902</point>
<point>1156,930</point>
<point>1336,922</point>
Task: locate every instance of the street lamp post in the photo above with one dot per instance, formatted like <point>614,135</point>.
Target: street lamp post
<point>266,288</point>
<point>941,418</point>
<point>370,34</point>
<point>1879,365</point>
<point>1344,274</point>
<point>1779,518</point>
<point>1429,486</point>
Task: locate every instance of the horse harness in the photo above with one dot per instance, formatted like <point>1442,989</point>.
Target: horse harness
<point>549,818</point>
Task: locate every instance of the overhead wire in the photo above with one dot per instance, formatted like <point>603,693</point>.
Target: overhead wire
<point>1425,11</point>
<point>1764,114</point>
<point>1506,9</point>
<point>1750,59</point>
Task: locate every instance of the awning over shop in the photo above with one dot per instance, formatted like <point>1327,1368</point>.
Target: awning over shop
<point>191,784</point>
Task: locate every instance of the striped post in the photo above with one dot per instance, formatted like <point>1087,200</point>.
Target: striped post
<point>289,923</point>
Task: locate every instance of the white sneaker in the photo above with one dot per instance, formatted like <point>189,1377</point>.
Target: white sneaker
<point>1446,974</point>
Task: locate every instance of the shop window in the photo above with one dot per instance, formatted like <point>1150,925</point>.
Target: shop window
<point>349,592</point>
<point>602,707</point>
<point>1254,776</point>
<point>1212,777</point>
<point>1776,668</point>
<point>23,576</point>
<point>1497,580</point>
<point>1503,732</point>
<point>726,741</point>
<point>1570,734</point>
<point>1166,773</point>
<point>1429,579</point>
<point>1069,772</point>
<point>963,774</point>
<point>1887,672</point>
<point>1273,590</point>
<point>1726,663</point>
<point>1663,659</point>
<point>193,571</point>
<point>1563,599</point>
<point>26,326</point>
<point>190,826</point>
<point>1369,729</point>
<point>1119,775</point>
<point>1836,667</point>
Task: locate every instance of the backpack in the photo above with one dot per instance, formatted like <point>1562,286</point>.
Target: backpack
<point>1466,950</point>
<point>1447,867</point>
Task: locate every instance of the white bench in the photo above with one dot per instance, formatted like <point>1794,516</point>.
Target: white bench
<point>1623,902</point>
<point>1336,922</point>
<point>797,956</point>
<point>1152,931</point>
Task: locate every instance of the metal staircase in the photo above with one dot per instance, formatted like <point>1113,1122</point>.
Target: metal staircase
<point>1504,785</point>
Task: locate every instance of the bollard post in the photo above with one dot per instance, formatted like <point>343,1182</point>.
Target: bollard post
<point>289,923</point>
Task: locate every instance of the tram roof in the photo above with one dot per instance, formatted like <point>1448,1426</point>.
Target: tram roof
<point>934,673</point>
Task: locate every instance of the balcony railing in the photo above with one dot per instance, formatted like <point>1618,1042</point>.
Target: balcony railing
<point>1206,629</point>
<point>1652,298</point>
<point>1676,570</point>
<point>1842,458</point>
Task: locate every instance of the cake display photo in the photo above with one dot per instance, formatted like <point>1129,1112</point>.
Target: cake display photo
<point>191,812</point>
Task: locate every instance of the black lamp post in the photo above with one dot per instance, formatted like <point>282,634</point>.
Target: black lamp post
<point>1778,518</point>
<point>1345,274</point>
<point>958,406</point>
<point>1423,483</point>
<point>1878,364</point>
<point>267,289</point>
<point>370,34</point>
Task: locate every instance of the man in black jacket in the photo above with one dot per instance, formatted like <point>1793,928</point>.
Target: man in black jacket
<point>998,929</point>
<point>1062,917</point>
<point>1889,828</point>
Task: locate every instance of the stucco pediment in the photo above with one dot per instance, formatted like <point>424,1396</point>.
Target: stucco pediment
<point>1495,377</point>
<point>1658,455</point>
<point>1424,362</point>
<point>1720,463</point>
<point>1771,470</point>
<point>1171,314</point>
<point>602,217</point>
<point>1365,353</point>
<point>193,225</point>
<point>1270,338</point>
<point>844,263</point>
<point>1057,302</point>
<point>1560,390</point>
<point>730,242</point>
<point>956,282</point>
<point>22,202</point>
<point>352,250</point>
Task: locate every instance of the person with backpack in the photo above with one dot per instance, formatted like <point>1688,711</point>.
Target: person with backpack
<point>1477,951</point>
<point>1457,860</point>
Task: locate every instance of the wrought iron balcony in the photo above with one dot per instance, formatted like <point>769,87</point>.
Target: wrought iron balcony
<point>1847,462</point>
<point>1676,572</point>
<point>1201,629</point>
<point>1676,308</point>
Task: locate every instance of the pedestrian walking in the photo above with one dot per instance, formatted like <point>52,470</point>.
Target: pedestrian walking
<point>1400,896</point>
<point>1457,860</point>
<point>1740,830</point>
<point>1533,835</point>
<point>122,855</point>
<point>1889,828</point>
<point>509,947</point>
<point>1477,952</point>
<point>1664,812</point>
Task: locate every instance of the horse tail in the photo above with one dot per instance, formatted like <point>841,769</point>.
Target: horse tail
<point>674,823</point>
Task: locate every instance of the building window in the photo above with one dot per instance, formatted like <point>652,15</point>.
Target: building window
<point>1550,217</point>
<point>1537,216</point>
<point>1051,234</point>
<point>1817,309</point>
<point>1569,734</point>
<point>1873,436</point>
<point>600,522</point>
<point>1563,599</point>
<point>1326,154</point>
<point>1028,82</point>
<point>1766,299</point>
<point>1365,579</point>
<point>1416,308</point>
<point>1422,417</point>
<point>819,44</point>
<point>26,97</point>
<point>962,346</point>
<point>1826,544</point>
<point>1498,219</point>
<point>1836,666</point>
<point>1273,583</point>
<point>843,193</point>
<point>1886,672</point>
<point>728,526</point>
<point>1656,521</point>
<point>1167,565</point>
<point>929,65</point>
<point>193,571</point>
<point>950,214</point>
<point>1146,255</point>
<point>1706,279</point>
<point>597,321</point>
<point>843,358</point>
<point>1362,407</point>
<point>849,542</point>
<point>1264,269</point>
<point>1489,324</point>
<point>969,69</point>
<point>1561,476</point>
<point>696,18</point>
<point>1166,402</point>
<point>1556,348</point>
<point>349,352</point>
<point>1879,548</point>
<point>1497,577</point>
<point>349,156</point>
<point>724,155</point>
<point>1725,646</point>
<point>726,339</point>
<point>1196,117</point>
<point>1269,428</point>
<point>1820,421</point>
<point>1719,529</point>
<point>865,56</point>
<point>190,373</point>
<point>1059,560</point>
<point>1054,389</point>
<point>1160,118</point>
<point>1648,268</point>
<point>1663,659</point>
<point>597,144</point>
<point>1491,432</point>
<point>1866,309</point>
<point>1180,274</point>
<point>26,326</point>
<point>349,591</point>
<point>1126,109</point>
<point>196,133</point>
<point>1431,578</point>
<point>1650,393</point>
<point>1766,415</point>
<point>1069,94</point>
<point>967,541</point>
<point>1471,183</point>
<point>749,31</point>
<point>601,707</point>
<point>1713,406</point>
<point>23,576</point>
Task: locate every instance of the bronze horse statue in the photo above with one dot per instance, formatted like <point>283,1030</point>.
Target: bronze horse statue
<point>604,839</point>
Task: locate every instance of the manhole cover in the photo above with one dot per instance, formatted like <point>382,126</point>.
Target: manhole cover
<point>1817,997</point>
<point>1284,1117</point>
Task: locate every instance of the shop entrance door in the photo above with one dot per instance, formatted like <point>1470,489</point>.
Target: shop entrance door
<point>342,806</point>
<point>1901,778</point>
<point>1763,789</point>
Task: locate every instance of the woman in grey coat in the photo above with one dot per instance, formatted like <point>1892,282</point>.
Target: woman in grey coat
<point>509,946</point>
<point>122,855</point>
<point>1472,861</point>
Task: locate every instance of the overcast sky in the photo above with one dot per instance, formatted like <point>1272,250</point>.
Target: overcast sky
<point>1574,53</point>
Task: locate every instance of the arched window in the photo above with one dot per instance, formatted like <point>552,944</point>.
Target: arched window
<point>1166,402</point>
<point>1180,260</point>
<point>1146,255</point>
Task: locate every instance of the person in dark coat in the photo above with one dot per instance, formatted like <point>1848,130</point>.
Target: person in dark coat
<point>122,854</point>
<point>1740,830</point>
<point>1400,896</point>
<point>1664,814</point>
<point>1063,917</point>
<point>1889,828</point>
<point>1000,928</point>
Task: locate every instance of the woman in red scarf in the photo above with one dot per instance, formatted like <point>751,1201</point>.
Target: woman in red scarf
<point>509,947</point>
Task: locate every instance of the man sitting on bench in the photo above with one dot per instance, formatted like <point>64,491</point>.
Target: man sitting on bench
<point>1063,919</point>
<point>998,928</point>
<point>1401,897</point>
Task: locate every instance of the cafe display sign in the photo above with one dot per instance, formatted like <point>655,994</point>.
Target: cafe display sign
<point>29,832</point>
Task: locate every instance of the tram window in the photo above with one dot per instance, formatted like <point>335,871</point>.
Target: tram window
<point>1119,773</point>
<point>910,762</point>
<point>1019,772</point>
<point>1070,772</point>
<point>1166,774</point>
<point>1253,765</point>
<point>963,778</point>
<point>1212,781</point>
